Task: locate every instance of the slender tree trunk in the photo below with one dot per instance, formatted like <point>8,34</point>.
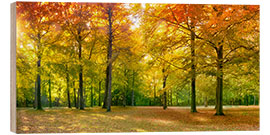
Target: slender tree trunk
<point>68,94</point>
<point>239,101</point>
<point>80,75</point>
<point>160,99</point>
<point>193,71</point>
<point>155,94</point>
<point>50,94</point>
<point>39,107</point>
<point>81,89</point>
<point>35,93</point>
<point>165,93</point>
<point>26,102</point>
<point>109,59</point>
<point>171,97</point>
<point>219,92</point>
<point>205,102</point>
<point>132,96</point>
<point>92,103</point>
<point>165,100</point>
<point>99,89</point>
<point>84,97</point>
<point>74,93</point>
<point>247,100</point>
<point>216,97</point>
<point>125,88</point>
<point>124,98</point>
<point>106,92</point>
<point>177,100</point>
<point>254,102</point>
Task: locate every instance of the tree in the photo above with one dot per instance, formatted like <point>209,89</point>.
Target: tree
<point>117,28</point>
<point>39,19</point>
<point>77,22</point>
<point>220,38</point>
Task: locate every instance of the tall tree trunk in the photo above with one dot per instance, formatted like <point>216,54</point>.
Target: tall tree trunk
<point>68,94</point>
<point>38,92</point>
<point>254,102</point>
<point>125,88</point>
<point>84,97</point>
<point>155,94</point>
<point>99,89</point>
<point>106,92</point>
<point>81,89</point>
<point>219,92</point>
<point>177,100</point>
<point>80,74</point>
<point>239,102</point>
<point>74,93</point>
<point>165,93</point>
<point>50,94</point>
<point>39,107</point>
<point>205,101</point>
<point>109,59</point>
<point>193,71</point>
<point>35,93</point>
<point>247,100</point>
<point>216,97</point>
<point>165,100</point>
<point>132,93</point>
<point>171,97</point>
<point>92,103</point>
<point>124,96</point>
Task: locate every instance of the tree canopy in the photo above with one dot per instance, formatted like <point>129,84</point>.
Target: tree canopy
<point>103,54</point>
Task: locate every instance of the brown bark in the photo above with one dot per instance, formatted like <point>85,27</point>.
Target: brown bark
<point>193,71</point>
<point>99,89</point>
<point>219,90</point>
<point>105,93</point>
<point>165,93</point>
<point>50,94</point>
<point>68,93</point>
<point>132,96</point>
<point>109,60</point>
<point>39,107</point>
<point>92,101</point>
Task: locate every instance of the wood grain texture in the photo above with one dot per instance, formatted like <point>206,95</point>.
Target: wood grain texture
<point>13,68</point>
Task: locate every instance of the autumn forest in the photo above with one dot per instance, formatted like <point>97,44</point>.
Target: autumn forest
<point>114,59</point>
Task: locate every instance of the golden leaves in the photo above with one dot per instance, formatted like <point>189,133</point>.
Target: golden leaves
<point>137,119</point>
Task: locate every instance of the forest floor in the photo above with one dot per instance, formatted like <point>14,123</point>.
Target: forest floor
<point>136,119</point>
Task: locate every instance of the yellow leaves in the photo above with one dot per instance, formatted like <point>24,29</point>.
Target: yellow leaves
<point>41,127</point>
<point>25,128</point>
<point>44,3</point>
<point>118,118</point>
<point>139,129</point>
<point>61,127</point>
<point>52,119</point>
<point>137,119</point>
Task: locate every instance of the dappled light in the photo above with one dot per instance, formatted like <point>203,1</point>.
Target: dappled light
<point>137,119</point>
<point>132,67</point>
